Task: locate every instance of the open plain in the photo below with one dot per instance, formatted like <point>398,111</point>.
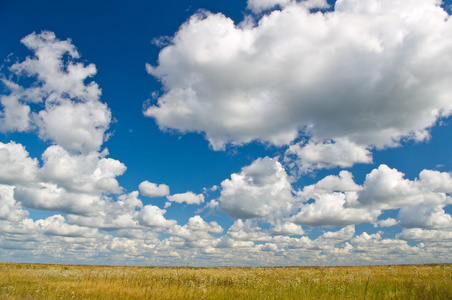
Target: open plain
<point>42,281</point>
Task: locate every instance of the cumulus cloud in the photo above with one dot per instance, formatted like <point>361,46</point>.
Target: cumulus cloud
<point>187,197</point>
<point>72,115</point>
<point>127,212</point>
<point>385,188</point>
<point>150,189</point>
<point>50,197</point>
<point>364,75</point>
<point>341,153</point>
<point>260,5</point>
<point>425,217</point>
<point>153,216</point>
<point>56,225</point>
<point>16,166</point>
<point>10,210</point>
<point>330,210</point>
<point>386,223</point>
<point>419,234</point>
<point>50,69</point>
<point>90,173</point>
<point>75,126</point>
<point>333,197</point>
<point>342,183</point>
<point>286,228</point>
<point>196,229</point>
<point>436,181</point>
<point>343,234</point>
<point>247,230</point>
<point>257,191</point>
<point>15,115</point>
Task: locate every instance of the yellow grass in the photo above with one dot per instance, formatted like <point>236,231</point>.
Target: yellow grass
<point>36,281</point>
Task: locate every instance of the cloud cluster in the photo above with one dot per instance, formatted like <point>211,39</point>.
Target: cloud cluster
<point>66,101</point>
<point>367,74</point>
<point>74,176</point>
<point>150,189</point>
<point>258,190</point>
<point>329,86</point>
<point>263,190</point>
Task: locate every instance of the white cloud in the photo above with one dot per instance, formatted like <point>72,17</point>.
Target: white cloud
<point>436,181</point>
<point>419,234</point>
<point>75,126</point>
<point>331,183</point>
<point>56,225</point>
<point>367,73</point>
<point>15,164</point>
<point>150,189</point>
<point>425,217</point>
<point>48,196</point>
<point>51,70</point>
<point>385,188</point>
<point>386,223</point>
<point>188,197</point>
<point>91,173</point>
<point>125,213</point>
<point>259,190</point>
<point>286,228</point>
<point>196,229</point>
<point>330,210</point>
<point>343,234</point>
<point>382,7</point>
<point>153,216</point>
<point>15,115</point>
<point>269,247</point>
<point>260,5</point>
<point>247,231</point>
<point>10,210</point>
<point>72,116</point>
<point>333,198</point>
<point>328,154</point>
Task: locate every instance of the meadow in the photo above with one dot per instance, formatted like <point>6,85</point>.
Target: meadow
<point>41,281</point>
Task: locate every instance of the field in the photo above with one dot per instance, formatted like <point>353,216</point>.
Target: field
<point>38,281</point>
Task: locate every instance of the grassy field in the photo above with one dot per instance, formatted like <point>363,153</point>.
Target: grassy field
<point>36,281</point>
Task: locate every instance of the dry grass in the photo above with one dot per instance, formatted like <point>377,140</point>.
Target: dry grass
<point>36,281</point>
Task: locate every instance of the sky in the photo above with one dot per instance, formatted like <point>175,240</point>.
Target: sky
<point>226,133</point>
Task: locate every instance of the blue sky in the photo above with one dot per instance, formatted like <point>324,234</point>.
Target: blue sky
<point>259,132</point>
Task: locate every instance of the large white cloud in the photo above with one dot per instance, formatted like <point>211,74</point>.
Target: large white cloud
<point>330,210</point>
<point>73,116</point>
<point>419,234</point>
<point>10,210</point>
<point>56,225</point>
<point>342,183</point>
<point>187,197</point>
<point>153,216</point>
<point>425,217</point>
<point>16,166</point>
<point>260,189</point>
<point>91,173</point>
<point>385,188</point>
<point>151,189</point>
<point>75,126</point>
<point>258,6</point>
<point>369,72</point>
<point>196,229</point>
<point>50,197</point>
<point>333,196</point>
<point>436,181</point>
<point>327,154</point>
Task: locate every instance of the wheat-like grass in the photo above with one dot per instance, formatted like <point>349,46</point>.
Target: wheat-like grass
<point>36,281</point>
